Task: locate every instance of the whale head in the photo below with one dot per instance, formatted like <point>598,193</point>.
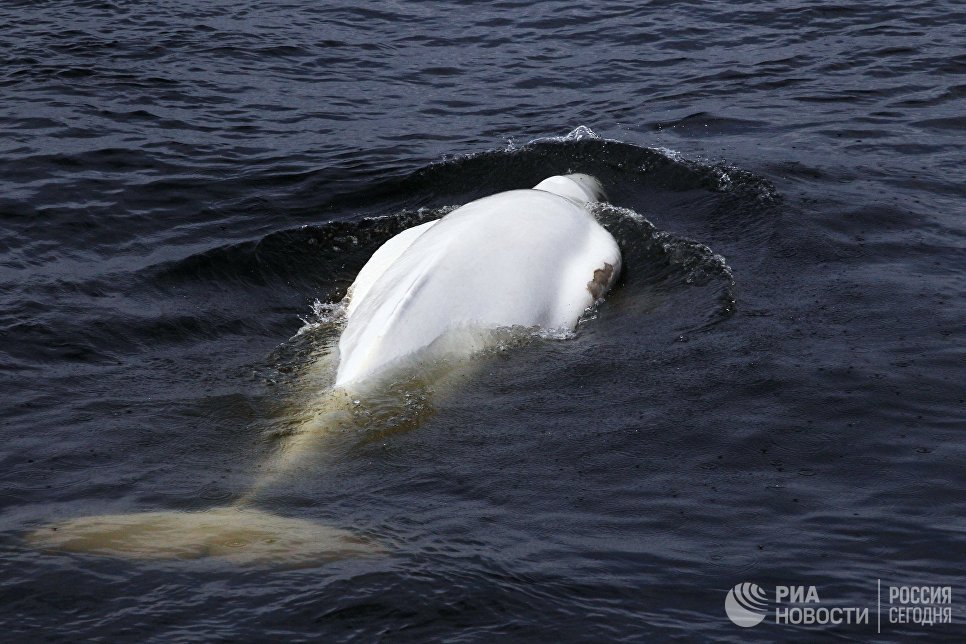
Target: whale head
<point>581,188</point>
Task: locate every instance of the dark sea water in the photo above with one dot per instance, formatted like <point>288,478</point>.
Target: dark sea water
<point>774,392</point>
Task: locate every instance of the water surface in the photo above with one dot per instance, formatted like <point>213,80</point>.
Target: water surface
<point>773,393</point>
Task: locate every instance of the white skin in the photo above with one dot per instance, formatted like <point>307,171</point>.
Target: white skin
<point>519,258</point>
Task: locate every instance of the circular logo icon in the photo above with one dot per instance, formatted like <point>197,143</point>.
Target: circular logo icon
<point>746,605</point>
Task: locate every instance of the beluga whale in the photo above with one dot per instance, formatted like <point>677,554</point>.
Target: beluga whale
<point>532,258</point>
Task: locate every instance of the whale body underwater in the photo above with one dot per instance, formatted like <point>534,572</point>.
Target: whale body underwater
<point>534,258</point>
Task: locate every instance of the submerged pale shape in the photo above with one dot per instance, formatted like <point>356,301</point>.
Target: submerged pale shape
<point>534,258</point>
<point>231,534</point>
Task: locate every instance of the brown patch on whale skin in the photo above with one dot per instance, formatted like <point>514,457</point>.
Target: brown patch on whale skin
<point>602,277</point>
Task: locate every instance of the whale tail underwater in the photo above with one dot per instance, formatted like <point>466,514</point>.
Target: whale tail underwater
<point>533,258</point>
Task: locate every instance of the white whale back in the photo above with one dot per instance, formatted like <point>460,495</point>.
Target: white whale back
<point>581,188</point>
<point>382,259</point>
<point>534,258</point>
